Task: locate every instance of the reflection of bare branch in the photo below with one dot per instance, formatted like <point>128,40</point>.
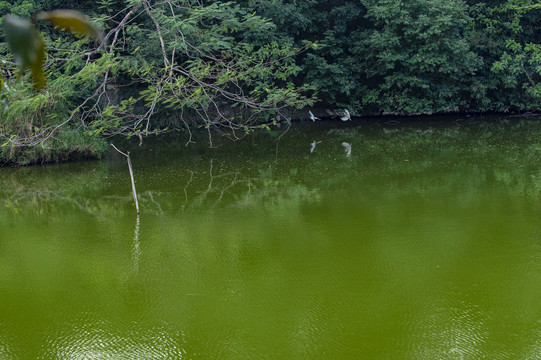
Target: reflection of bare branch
<point>278,142</point>
<point>205,195</point>
<point>188,184</point>
<point>149,193</point>
<point>202,197</point>
<point>136,251</point>
<point>233,183</point>
<point>218,188</point>
<point>20,198</point>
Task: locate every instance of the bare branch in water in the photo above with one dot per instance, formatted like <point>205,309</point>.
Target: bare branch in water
<point>127,155</point>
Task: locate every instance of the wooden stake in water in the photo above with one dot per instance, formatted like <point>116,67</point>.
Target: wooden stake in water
<point>127,155</point>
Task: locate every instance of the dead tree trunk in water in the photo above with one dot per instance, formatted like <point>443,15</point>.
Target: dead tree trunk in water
<point>127,155</point>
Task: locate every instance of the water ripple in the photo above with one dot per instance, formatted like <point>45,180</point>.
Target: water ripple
<point>101,340</point>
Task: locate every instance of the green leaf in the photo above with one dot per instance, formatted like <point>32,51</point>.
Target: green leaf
<point>27,46</point>
<point>23,39</point>
<point>36,68</point>
<point>72,21</point>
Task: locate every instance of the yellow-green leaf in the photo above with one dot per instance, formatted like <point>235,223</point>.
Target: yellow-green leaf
<point>72,21</point>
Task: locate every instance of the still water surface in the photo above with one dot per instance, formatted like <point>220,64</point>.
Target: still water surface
<point>425,243</point>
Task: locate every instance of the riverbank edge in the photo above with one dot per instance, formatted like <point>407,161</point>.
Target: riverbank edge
<point>97,148</point>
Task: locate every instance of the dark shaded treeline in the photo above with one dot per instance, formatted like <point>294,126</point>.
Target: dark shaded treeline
<point>256,63</point>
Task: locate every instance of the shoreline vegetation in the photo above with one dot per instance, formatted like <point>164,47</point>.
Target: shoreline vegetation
<point>234,68</point>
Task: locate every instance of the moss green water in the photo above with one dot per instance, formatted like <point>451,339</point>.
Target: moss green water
<point>424,244</point>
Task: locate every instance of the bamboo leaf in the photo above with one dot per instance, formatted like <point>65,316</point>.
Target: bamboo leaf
<point>72,21</point>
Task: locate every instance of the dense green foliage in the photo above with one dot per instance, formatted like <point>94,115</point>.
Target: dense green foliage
<point>178,65</point>
<point>419,56</point>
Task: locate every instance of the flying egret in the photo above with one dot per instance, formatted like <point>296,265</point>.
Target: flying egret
<point>347,147</point>
<point>346,117</point>
<point>312,117</point>
<point>314,146</point>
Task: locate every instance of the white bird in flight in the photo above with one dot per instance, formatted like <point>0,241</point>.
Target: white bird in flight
<point>346,117</point>
<point>314,146</point>
<point>312,117</point>
<point>347,147</point>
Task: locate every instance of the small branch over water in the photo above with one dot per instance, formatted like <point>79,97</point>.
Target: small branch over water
<point>127,155</point>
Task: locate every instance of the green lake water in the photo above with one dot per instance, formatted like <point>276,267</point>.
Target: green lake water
<point>425,243</point>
